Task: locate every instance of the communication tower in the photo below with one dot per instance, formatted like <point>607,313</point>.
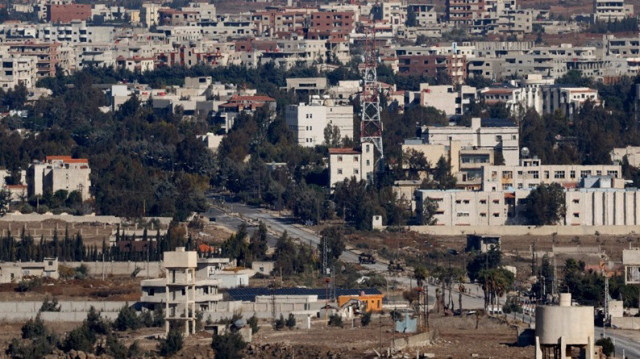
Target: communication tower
<point>371,123</point>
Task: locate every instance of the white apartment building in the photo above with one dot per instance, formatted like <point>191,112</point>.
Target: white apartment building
<point>17,70</point>
<point>601,205</point>
<point>488,134</point>
<point>347,163</point>
<point>611,10</point>
<point>59,173</point>
<point>308,122</point>
<point>447,99</point>
<point>530,173</point>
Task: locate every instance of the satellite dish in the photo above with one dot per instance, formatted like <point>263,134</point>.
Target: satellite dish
<point>524,152</point>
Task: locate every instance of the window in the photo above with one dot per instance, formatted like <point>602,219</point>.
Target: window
<point>534,174</point>
<point>463,214</point>
<point>339,171</point>
<point>572,174</point>
<point>546,174</point>
<point>355,158</point>
<point>576,215</point>
<point>466,201</point>
<point>355,172</point>
<point>496,201</point>
<point>584,174</point>
<point>558,174</point>
<point>339,158</point>
<point>483,201</point>
<point>612,173</point>
<point>368,162</point>
<point>483,214</point>
<point>458,201</point>
<point>496,214</point>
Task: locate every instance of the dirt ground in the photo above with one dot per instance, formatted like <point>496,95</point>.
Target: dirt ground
<point>112,288</point>
<point>453,337</point>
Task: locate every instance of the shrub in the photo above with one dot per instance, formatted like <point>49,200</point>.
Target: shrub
<point>134,350</point>
<point>158,316</point>
<point>96,323</point>
<point>81,338</point>
<point>172,344</point>
<point>280,323</point>
<point>33,328</point>
<point>291,321</point>
<point>607,346</point>
<point>26,285</point>
<point>335,321</point>
<point>115,348</point>
<point>127,319</point>
<point>81,272</point>
<point>253,323</point>
<point>50,306</point>
<point>228,346</point>
<point>365,319</point>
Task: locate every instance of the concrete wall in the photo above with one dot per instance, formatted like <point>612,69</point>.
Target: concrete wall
<point>626,323</point>
<point>70,311</point>
<point>119,268</point>
<point>418,340</point>
<point>526,230</point>
<point>222,310</point>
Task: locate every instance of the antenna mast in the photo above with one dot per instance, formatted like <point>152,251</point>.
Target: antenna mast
<point>371,124</point>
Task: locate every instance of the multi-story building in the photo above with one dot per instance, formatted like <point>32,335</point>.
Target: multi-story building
<point>425,14</point>
<point>488,134</point>
<point>149,14</point>
<point>172,17</point>
<point>463,12</point>
<point>59,173</point>
<point>347,163</point>
<point>331,26</point>
<point>448,99</point>
<point>46,56</point>
<point>454,66</point>
<point>65,13</point>
<point>611,10</point>
<point>180,289</point>
<point>17,70</point>
<point>308,122</point>
<point>531,173</point>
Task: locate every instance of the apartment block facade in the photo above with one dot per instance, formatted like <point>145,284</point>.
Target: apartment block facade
<point>60,173</point>
<point>347,163</point>
<point>308,122</point>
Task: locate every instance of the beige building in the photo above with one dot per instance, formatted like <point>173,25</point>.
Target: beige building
<point>447,99</point>
<point>180,289</point>
<point>531,173</point>
<point>631,152</point>
<point>60,173</point>
<point>347,163</point>
<point>11,272</point>
<point>17,70</point>
<point>611,10</point>
<point>489,134</point>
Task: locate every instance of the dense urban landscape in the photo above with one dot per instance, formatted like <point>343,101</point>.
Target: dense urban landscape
<point>319,179</point>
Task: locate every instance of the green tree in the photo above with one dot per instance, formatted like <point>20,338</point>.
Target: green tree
<point>258,243</point>
<point>5,200</point>
<point>608,348</point>
<point>365,319</point>
<point>172,343</point>
<point>228,346</point>
<point>426,211</point>
<point>127,319</point>
<point>331,136</point>
<point>546,204</point>
<point>333,239</point>
<point>291,321</point>
<point>33,328</point>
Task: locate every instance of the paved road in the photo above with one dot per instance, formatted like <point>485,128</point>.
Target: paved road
<point>232,215</point>
<point>622,344</point>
